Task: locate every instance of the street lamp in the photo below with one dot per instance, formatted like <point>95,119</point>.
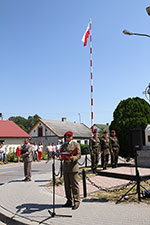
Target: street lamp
<point>148,10</point>
<point>131,33</point>
<point>147,92</point>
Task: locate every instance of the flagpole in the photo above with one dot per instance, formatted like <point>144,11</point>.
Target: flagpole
<point>91,74</point>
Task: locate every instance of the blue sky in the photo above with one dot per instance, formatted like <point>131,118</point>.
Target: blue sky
<point>44,68</point>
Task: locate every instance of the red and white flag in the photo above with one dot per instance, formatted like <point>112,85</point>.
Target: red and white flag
<point>86,35</point>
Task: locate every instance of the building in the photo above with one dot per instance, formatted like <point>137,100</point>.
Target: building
<point>12,135</point>
<point>147,135</point>
<point>50,131</point>
<point>101,127</point>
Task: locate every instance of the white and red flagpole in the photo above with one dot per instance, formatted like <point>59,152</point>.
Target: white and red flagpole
<point>84,39</point>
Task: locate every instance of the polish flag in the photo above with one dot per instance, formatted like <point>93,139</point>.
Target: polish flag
<point>86,35</point>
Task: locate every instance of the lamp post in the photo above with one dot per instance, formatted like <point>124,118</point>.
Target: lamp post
<point>147,92</point>
<point>137,34</point>
<point>148,10</point>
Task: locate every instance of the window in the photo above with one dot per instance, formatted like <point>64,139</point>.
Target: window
<point>79,141</point>
<point>86,142</point>
<point>148,138</point>
<point>40,131</point>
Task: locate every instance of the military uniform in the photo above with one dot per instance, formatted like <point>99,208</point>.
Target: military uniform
<point>70,172</point>
<point>105,151</point>
<point>26,153</point>
<point>94,145</point>
<point>115,151</point>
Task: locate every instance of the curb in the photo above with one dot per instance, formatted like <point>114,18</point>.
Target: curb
<point>9,221</point>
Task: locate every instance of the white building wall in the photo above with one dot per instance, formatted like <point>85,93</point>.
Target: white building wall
<point>147,135</point>
<point>46,131</point>
<point>12,143</point>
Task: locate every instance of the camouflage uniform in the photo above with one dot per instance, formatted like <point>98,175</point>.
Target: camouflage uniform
<point>95,151</point>
<point>115,151</point>
<point>105,151</point>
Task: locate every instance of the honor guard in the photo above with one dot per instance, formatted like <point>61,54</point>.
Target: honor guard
<point>94,145</point>
<point>115,149</point>
<point>105,149</point>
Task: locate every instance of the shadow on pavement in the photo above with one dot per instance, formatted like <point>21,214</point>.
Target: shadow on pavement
<point>42,180</point>
<point>95,200</point>
<point>31,208</point>
<point>15,181</point>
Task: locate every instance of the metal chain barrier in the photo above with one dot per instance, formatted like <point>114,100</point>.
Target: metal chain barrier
<point>81,164</point>
<point>147,182</point>
<point>88,159</point>
<point>116,189</point>
<point>125,160</point>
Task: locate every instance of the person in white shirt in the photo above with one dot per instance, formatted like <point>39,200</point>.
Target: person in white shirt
<point>3,152</point>
<point>53,150</point>
<point>49,151</point>
<point>35,151</point>
<point>58,147</point>
<point>40,150</point>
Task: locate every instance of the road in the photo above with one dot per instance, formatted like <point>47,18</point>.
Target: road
<point>15,171</point>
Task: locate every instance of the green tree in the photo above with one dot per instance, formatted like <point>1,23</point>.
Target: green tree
<point>25,124</point>
<point>20,121</point>
<point>130,113</point>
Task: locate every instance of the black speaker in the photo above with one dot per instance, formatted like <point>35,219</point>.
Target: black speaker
<point>136,140</point>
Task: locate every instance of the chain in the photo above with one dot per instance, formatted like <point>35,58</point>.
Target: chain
<point>88,159</point>
<point>125,160</point>
<point>116,189</point>
<point>81,164</point>
<point>57,174</point>
<point>147,182</point>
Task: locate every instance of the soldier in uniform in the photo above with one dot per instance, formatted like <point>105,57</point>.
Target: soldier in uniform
<point>105,149</point>
<point>70,171</point>
<point>115,149</point>
<point>26,153</point>
<point>94,150</point>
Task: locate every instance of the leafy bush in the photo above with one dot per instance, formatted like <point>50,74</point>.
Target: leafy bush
<point>84,149</point>
<point>44,156</point>
<point>129,114</point>
<point>11,157</point>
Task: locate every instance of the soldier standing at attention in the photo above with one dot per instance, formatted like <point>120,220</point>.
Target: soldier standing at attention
<point>94,150</point>
<point>105,149</point>
<point>70,171</point>
<point>26,153</point>
<point>115,149</point>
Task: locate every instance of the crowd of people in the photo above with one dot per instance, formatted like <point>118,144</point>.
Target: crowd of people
<point>51,150</point>
<point>37,150</point>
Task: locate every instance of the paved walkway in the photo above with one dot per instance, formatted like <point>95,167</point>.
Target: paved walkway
<point>28,203</point>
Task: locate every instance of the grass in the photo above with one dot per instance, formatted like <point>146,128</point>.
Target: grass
<point>112,195</point>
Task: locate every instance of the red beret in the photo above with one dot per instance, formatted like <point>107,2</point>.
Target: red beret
<point>95,130</point>
<point>68,133</point>
<point>112,131</point>
<point>105,132</point>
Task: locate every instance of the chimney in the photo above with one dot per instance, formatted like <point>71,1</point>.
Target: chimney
<point>64,119</point>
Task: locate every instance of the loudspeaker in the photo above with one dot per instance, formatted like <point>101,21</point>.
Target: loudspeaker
<point>136,140</point>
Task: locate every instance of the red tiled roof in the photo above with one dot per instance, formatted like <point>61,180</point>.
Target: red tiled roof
<point>10,129</point>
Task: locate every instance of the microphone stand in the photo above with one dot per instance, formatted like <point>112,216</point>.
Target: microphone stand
<point>53,213</point>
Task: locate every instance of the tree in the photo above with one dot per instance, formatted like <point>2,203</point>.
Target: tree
<point>130,113</point>
<point>25,124</point>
